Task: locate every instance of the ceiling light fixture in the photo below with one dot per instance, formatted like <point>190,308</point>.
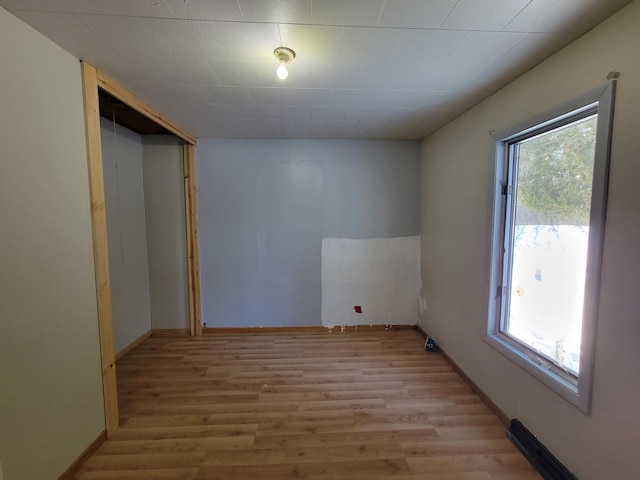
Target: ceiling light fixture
<point>284,55</point>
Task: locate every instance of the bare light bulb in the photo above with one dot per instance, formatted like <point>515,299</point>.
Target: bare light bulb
<point>282,71</point>
<point>284,55</point>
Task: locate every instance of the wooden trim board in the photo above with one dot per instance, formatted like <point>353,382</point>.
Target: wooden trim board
<point>70,472</point>
<point>307,329</point>
<point>485,398</point>
<point>114,88</point>
<point>193,249</point>
<point>133,345</point>
<point>100,247</point>
<point>170,332</point>
<point>154,332</point>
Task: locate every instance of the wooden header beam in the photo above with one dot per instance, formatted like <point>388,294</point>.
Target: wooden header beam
<point>115,89</point>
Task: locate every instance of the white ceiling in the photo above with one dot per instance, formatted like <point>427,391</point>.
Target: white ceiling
<point>384,69</point>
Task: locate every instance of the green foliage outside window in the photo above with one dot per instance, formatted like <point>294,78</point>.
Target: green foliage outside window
<point>555,175</point>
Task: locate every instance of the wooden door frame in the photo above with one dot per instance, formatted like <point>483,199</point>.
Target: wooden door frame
<point>92,80</point>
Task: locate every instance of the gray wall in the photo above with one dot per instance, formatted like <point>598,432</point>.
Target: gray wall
<point>128,265</point>
<point>162,159</point>
<point>51,404</point>
<point>264,207</point>
<point>456,229</point>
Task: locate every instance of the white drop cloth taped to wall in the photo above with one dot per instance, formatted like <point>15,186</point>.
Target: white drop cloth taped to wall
<point>380,275</point>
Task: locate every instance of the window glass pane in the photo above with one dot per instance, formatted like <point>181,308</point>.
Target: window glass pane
<point>549,241</point>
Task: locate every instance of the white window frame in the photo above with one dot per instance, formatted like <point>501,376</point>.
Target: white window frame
<point>576,390</point>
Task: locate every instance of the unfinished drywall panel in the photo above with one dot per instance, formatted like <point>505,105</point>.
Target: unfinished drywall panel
<point>163,172</point>
<point>370,282</point>
<point>51,404</point>
<point>126,231</point>
<point>456,231</point>
<point>265,207</point>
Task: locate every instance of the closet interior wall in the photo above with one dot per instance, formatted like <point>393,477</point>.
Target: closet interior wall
<point>146,224</point>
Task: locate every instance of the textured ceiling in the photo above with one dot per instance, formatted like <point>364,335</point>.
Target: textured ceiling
<point>384,69</point>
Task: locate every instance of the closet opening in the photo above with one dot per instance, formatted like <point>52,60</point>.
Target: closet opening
<point>144,210</point>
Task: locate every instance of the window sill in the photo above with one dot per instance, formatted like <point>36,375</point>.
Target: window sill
<point>560,385</point>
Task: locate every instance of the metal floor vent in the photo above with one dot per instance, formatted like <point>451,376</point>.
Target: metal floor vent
<point>542,460</point>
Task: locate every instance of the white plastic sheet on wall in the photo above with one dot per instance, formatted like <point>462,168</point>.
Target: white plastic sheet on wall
<point>379,275</point>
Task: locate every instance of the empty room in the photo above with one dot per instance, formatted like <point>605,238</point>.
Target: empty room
<point>319,239</point>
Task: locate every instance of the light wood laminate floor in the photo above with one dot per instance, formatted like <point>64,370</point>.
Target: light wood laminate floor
<point>319,405</point>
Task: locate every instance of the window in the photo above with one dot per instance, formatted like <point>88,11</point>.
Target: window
<point>549,205</point>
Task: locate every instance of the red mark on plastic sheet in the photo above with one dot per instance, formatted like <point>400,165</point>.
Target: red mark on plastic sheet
<point>357,309</point>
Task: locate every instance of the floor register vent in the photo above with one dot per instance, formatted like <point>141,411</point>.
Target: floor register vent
<point>542,460</point>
